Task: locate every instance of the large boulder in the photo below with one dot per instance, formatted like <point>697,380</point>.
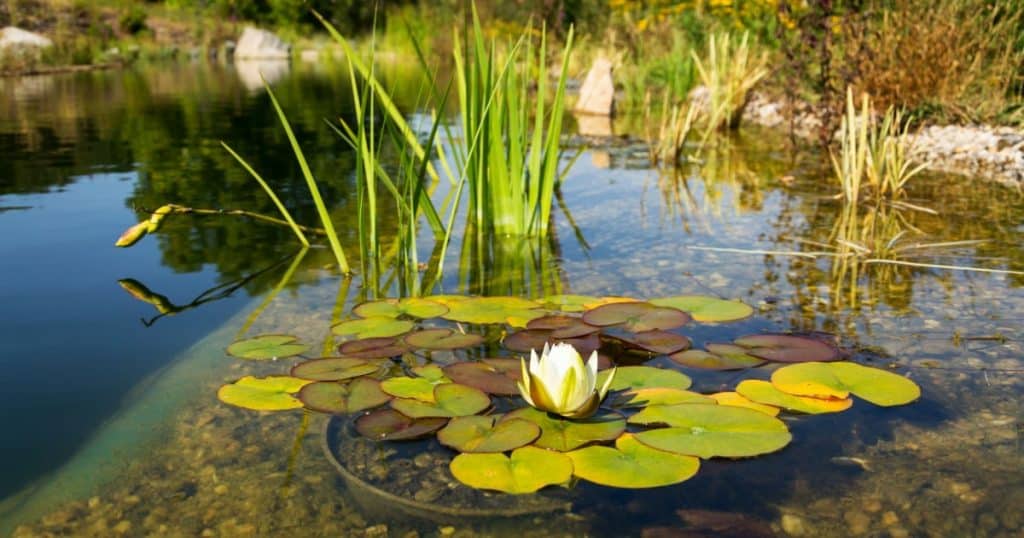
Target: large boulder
<point>256,44</point>
<point>15,38</point>
<point>597,95</point>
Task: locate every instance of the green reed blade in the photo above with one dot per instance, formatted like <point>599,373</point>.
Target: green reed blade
<point>270,192</point>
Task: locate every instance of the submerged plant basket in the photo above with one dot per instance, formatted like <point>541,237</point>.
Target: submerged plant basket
<point>400,480</point>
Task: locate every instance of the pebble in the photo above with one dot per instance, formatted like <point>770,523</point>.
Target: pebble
<point>793,525</point>
<point>122,527</point>
<point>857,522</point>
<point>221,489</point>
<point>376,531</point>
<point>890,518</point>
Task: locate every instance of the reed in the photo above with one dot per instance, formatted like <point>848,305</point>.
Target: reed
<point>729,70</point>
<point>667,147</point>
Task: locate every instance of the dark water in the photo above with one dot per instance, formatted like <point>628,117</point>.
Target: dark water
<point>86,155</point>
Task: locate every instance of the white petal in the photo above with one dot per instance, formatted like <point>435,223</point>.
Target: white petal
<point>592,370</point>
<point>534,363</point>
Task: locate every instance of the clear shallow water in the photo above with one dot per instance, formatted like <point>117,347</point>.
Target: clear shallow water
<point>201,466</point>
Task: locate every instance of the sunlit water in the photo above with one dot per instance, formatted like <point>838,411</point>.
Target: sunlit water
<point>112,424</point>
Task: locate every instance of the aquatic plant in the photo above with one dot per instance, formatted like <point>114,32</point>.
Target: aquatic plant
<point>559,382</point>
<point>668,144</point>
<point>729,70</point>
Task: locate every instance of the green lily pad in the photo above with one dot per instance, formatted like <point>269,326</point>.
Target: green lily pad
<point>632,464</point>
<point>373,348</point>
<point>767,393</point>
<point>839,379</point>
<point>658,396</point>
<point>442,339</point>
<point>708,431</point>
<point>736,399</point>
<point>487,434</point>
<point>644,377</point>
<point>271,393</point>
<point>788,348</point>
<point>418,388</point>
<point>392,308</point>
<point>390,425</point>
<point>493,376</point>
<point>707,309</point>
<point>447,300</point>
<point>431,372</point>
<point>534,339</point>
<point>266,347</point>
<point>568,303</point>
<point>563,327</point>
<point>659,342</point>
<point>379,327</point>
<point>341,398</point>
<point>333,369</point>
<point>527,470</point>
<point>489,310</point>
<point>636,317</point>
<point>563,434</point>
<point>450,400</point>
<point>717,357</point>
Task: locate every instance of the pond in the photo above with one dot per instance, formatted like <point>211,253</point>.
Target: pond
<point>113,425</point>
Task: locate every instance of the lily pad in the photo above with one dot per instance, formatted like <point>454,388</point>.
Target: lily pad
<point>450,400</point>
<point>659,342</point>
<point>333,369</point>
<point>564,434</point>
<point>767,393</point>
<point>658,396</point>
<point>393,308</point>
<point>636,317</point>
<point>839,379</point>
<point>442,339</point>
<point>266,347</point>
<point>527,470</point>
<point>390,425</point>
<point>487,434</point>
<point>788,348</point>
<point>373,348</point>
<point>447,300</point>
<point>534,339</point>
<point>632,464</point>
<point>563,327</point>
<point>568,303</point>
<point>717,357</point>
<point>707,309</point>
<point>419,388</point>
<point>493,376</point>
<point>644,377</point>
<point>601,301</point>
<point>736,399</point>
<point>340,398</point>
<point>431,372</point>
<point>489,310</point>
<point>708,431</point>
<point>271,393</point>
<point>377,327</point>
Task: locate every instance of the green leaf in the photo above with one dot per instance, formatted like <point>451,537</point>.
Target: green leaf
<point>527,470</point>
<point>707,309</point>
<point>487,434</point>
<point>419,388</point>
<point>341,398</point>
<point>564,434</point>
<point>392,308</point>
<point>271,393</point>
<point>658,396</point>
<point>767,393</point>
<point>441,339</point>
<point>490,310</point>
<point>378,327</point>
<point>333,369</point>
<point>450,400</point>
<point>736,399</point>
<point>266,347</point>
<point>644,377</point>
<point>568,303</point>
<point>632,464</point>
<point>636,316</point>
<point>839,379</point>
<point>708,431</point>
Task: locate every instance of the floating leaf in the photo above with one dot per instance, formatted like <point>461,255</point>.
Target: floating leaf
<point>660,342</point>
<point>447,300</point>
<point>527,470</point>
<point>431,372</point>
<point>493,376</point>
<point>271,393</point>
<point>333,369</point>
<point>373,348</point>
<point>717,357</point>
<point>632,464</point>
<point>392,308</point>
<point>736,399</point>
<point>707,309</point>
<point>839,379</point>
<point>378,327</point>
<point>340,398</point>
<point>487,310</point>
<point>636,316</point>
<point>267,346</point>
<point>643,377</point>
<point>564,434</point>
<point>601,301</point>
<point>788,348</point>
<point>442,339</point>
<point>708,431</point>
<point>568,303</point>
<point>450,400</point>
<point>390,425</point>
<point>487,434</point>
<point>419,388</point>
<point>563,327</point>
<point>534,339</point>
<point>767,393</point>
<point>658,396</point>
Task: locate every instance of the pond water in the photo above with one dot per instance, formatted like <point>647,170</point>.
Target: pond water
<point>112,424</point>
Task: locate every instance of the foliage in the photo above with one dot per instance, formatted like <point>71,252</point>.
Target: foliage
<point>729,70</point>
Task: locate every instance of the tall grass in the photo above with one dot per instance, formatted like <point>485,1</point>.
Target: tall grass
<point>729,69</point>
<point>668,145</point>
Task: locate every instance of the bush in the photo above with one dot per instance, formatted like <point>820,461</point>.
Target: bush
<point>133,21</point>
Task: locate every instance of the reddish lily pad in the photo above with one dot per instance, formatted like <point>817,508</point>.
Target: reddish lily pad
<point>534,339</point>
<point>789,348</point>
<point>341,398</point>
<point>564,434</point>
<point>632,464</point>
<point>493,376</point>
<point>393,308</point>
<point>717,357</point>
<point>487,434</point>
<point>642,377</point>
<point>636,316</point>
<point>450,400</point>
<point>442,339</point>
<point>373,348</point>
<point>563,327</point>
<point>377,327</point>
<point>267,347</point>
<point>333,369</point>
<point>527,470</point>
<point>659,342</point>
<point>390,425</point>
<point>707,309</point>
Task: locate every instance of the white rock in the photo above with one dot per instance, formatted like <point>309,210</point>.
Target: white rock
<point>11,37</point>
<point>597,95</point>
<point>256,44</point>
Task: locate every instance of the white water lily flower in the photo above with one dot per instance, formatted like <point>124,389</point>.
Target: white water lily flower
<point>559,382</point>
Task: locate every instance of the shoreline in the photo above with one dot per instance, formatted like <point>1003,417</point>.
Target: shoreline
<point>60,69</point>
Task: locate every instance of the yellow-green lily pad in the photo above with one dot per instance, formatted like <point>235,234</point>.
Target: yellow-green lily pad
<point>636,316</point>
<point>419,388</point>
<point>632,464</point>
<point>767,393</point>
<point>487,434</point>
<point>490,310</point>
<point>707,309</point>
<point>658,396</point>
<point>266,347</point>
<point>393,308</point>
<point>450,400</point>
<point>708,431</point>
<point>333,369</point>
<point>271,393</point>
<point>736,399</point>
<point>568,303</point>
<point>376,327</point>
<point>390,425</point>
<point>340,398</point>
<point>645,377</point>
<point>442,339</point>
<point>564,434</point>
<point>527,470</point>
<point>840,379</point>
